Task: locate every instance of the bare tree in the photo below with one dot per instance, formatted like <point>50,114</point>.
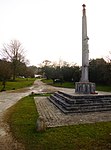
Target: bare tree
<point>14,53</point>
<point>108,58</point>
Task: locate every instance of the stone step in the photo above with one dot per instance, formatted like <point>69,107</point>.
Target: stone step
<point>80,106</point>
<point>85,96</point>
<point>78,110</point>
<point>83,99</point>
<point>81,103</point>
<point>61,101</point>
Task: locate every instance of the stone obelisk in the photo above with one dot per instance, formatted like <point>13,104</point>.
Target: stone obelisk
<point>85,51</point>
<point>84,86</point>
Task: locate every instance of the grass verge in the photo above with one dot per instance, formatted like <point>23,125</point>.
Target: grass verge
<point>64,84</point>
<point>19,83</point>
<point>22,119</point>
<point>105,88</point>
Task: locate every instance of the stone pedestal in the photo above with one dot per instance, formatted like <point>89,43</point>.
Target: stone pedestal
<point>85,88</point>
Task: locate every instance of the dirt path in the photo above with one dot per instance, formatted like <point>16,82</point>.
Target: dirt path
<point>7,99</point>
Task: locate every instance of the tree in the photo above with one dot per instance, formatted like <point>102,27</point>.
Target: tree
<point>5,72</point>
<point>14,53</point>
<point>31,71</point>
<point>98,71</point>
<point>62,71</point>
<point>45,68</point>
<point>21,69</point>
<point>76,73</point>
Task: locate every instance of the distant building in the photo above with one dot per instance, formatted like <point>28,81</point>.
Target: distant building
<point>38,76</point>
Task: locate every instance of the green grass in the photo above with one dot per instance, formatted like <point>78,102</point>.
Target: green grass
<point>64,84</point>
<point>106,88</point>
<point>19,83</point>
<point>22,119</point>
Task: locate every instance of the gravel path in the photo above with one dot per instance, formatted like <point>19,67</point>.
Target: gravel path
<point>7,99</point>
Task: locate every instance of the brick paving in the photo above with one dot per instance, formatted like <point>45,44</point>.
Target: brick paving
<point>54,117</point>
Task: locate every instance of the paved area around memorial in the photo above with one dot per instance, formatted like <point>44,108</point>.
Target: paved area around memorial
<point>52,115</point>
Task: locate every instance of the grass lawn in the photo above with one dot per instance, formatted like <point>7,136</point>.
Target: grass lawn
<point>64,84</point>
<point>22,119</point>
<point>72,85</point>
<point>19,83</point>
<point>103,88</point>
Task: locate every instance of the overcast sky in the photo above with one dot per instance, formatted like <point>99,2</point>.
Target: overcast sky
<point>51,29</point>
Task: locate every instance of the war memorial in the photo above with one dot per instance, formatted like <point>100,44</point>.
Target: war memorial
<point>85,98</point>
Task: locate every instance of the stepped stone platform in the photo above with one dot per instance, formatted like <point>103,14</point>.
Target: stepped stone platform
<point>81,103</point>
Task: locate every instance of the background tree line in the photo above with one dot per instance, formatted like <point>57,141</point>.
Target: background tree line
<point>14,64</point>
<point>99,71</point>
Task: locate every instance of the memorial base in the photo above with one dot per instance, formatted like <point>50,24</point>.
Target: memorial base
<point>85,88</point>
